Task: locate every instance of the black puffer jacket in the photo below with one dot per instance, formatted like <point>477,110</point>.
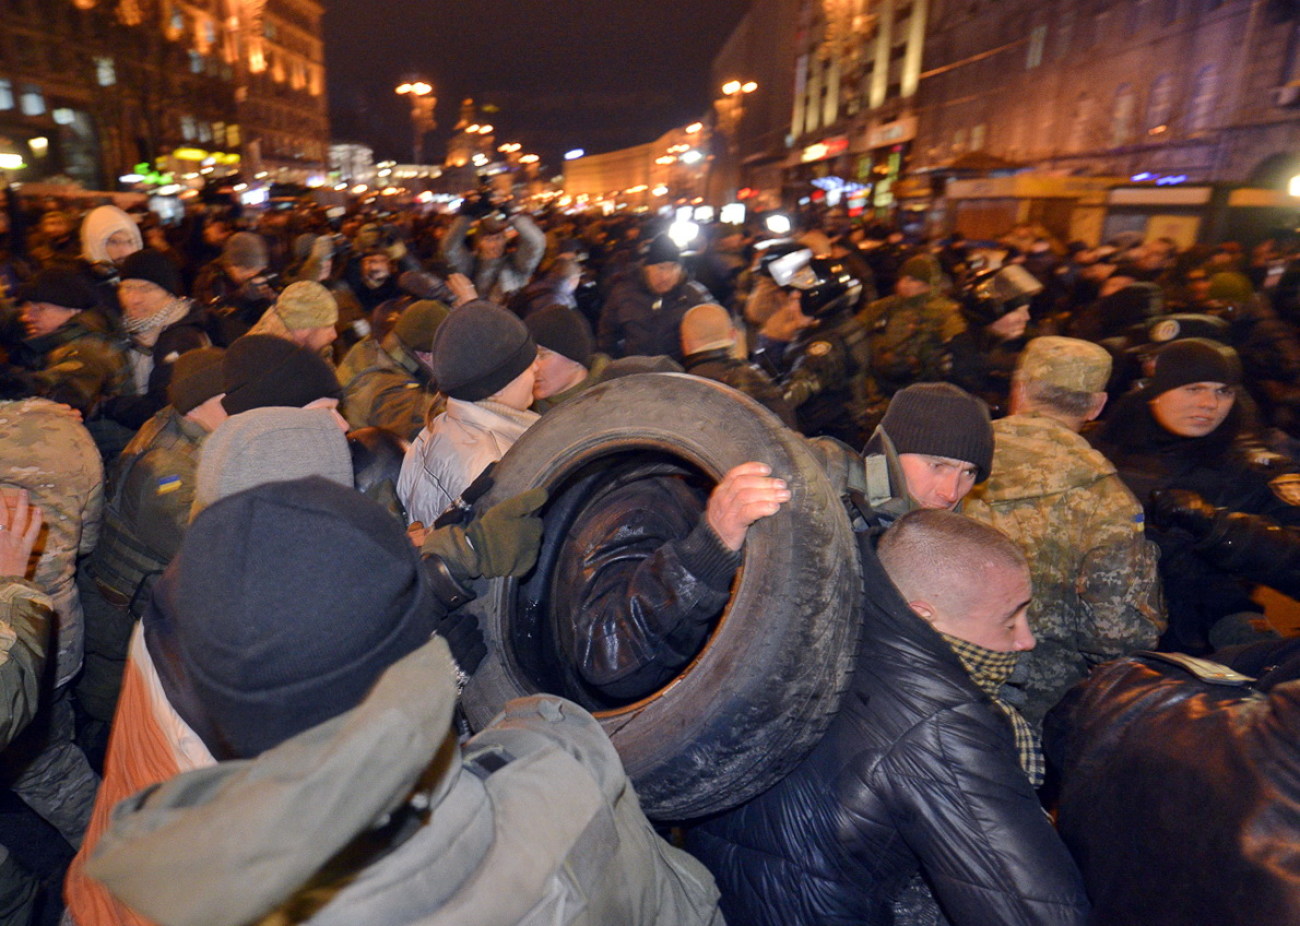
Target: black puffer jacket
<point>918,772</point>
<point>1180,799</point>
<point>635,321</point>
<point>1256,537</point>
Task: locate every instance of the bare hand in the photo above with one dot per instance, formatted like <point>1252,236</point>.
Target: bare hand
<point>20,525</point>
<point>417,532</point>
<point>746,494</point>
<point>463,289</point>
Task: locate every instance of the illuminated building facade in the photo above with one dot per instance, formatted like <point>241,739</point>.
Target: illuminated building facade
<point>106,86</point>
<point>1202,90</point>
<point>281,89</point>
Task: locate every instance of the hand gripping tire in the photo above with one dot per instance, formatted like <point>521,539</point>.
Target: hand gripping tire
<point>761,692</point>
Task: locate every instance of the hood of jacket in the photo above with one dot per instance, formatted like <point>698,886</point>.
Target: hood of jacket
<point>260,829</point>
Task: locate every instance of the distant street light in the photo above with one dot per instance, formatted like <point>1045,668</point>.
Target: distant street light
<point>423,103</point>
<point>574,154</point>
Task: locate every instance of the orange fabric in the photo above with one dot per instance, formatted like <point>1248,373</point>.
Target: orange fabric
<point>139,755</point>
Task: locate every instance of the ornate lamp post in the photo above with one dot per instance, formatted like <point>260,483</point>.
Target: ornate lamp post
<point>423,102</point>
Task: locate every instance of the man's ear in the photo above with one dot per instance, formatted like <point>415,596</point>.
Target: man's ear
<point>923,609</point>
<point>1098,403</point>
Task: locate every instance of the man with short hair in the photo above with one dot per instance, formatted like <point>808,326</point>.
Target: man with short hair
<point>644,310</point>
<point>1096,587</point>
<point>918,804</point>
<point>709,351</point>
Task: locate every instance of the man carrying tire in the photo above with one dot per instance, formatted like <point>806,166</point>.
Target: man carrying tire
<point>919,800</point>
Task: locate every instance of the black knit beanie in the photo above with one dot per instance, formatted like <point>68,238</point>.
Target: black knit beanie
<point>1193,360</point>
<point>196,377</point>
<point>67,289</point>
<point>271,630</point>
<point>563,330</point>
<point>262,370</point>
<point>479,349</point>
<point>155,267</point>
<point>941,420</point>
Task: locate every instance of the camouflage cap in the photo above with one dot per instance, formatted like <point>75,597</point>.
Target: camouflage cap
<point>1069,363</point>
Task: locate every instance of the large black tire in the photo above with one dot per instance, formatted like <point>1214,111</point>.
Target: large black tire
<point>762,691</point>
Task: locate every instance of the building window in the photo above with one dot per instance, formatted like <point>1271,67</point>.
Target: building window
<point>958,141</point>
<point>1064,33</point>
<point>205,132</point>
<point>232,136</point>
<point>188,129</point>
<point>1037,39</point>
<point>32,100</point>
<point>977,134</point>
<point>176,23</point>
<point>1080,126</point>
<point>6,94</point>
<point>105,72</point>
<point>1121,117</point>
<point>1204,89</point>
<point>196,62</point>
<point>1160,105</point>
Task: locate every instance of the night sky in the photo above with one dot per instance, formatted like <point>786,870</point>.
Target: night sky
<point>592,74</point>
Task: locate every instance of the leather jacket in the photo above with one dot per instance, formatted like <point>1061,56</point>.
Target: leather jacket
<point>639,581</point>
<point>1180,799</point>
<point>917,773</point>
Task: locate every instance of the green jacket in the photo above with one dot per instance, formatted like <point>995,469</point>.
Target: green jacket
<point>909,338</point>
<point>386,387</point>
<point>1096,590</point>
<point>148,506</point>
<point>82,364</point>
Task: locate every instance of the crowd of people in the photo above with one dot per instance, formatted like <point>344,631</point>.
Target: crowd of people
<point>241,465</point>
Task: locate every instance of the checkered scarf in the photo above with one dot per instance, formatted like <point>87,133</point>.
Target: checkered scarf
<point>989,670</point>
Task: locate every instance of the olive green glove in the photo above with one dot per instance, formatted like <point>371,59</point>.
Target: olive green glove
<point>502,541</point>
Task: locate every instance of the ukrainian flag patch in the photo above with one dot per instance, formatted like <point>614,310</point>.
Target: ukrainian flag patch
<point>168,484</point>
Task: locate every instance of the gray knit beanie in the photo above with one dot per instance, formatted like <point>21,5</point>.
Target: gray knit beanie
<point>479,349</point>
<point>270,445</point>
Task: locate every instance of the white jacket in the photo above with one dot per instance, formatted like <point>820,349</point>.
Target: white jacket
<point>449,454</point>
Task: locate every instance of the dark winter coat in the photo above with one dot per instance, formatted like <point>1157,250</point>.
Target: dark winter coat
<point>635,321</point>
<point>917,773</point>
<point>1256,538</point>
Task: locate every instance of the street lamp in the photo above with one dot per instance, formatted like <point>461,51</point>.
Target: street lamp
<point>423,103</point>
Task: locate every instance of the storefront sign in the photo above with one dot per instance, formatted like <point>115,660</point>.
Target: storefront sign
<point>891,133</point>
<point>826,148</point>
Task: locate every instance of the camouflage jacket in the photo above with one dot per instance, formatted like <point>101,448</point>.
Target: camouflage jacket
<point>46,451</point>
<point>148,507</point>
<point>82,365</point>
<point>1096,588</point>
<point>392,392</point>
<point>909,338</point>
<point>24,635</point>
